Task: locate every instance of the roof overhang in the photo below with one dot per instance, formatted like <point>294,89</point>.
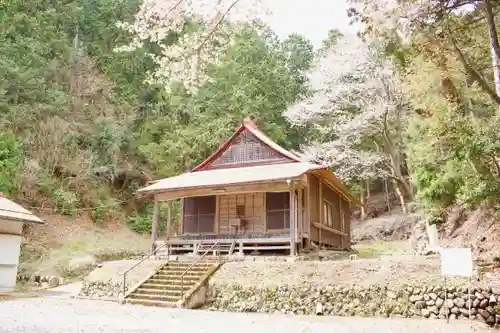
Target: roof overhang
<point>232,176</point>
<point>11,211</point>
<point>242,179</point>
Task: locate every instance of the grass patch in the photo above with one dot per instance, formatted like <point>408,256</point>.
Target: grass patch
<point>102,245</point>
<point>378,249</point>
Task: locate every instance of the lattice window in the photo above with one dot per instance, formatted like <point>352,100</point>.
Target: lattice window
<point>246,148</point>
<point>278,210</point>
<point>199,214</point>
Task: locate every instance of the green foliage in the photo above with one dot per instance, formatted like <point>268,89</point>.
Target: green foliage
<point>10,163</point>
<point>142,221</point>
<point>65,201</point>
<point>91,127</point>
<point>452,153</point>
<point>104,205</point>
<point>259,77</point>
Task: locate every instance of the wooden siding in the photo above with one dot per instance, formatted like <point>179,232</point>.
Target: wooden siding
<point>244,150</point>
<point>254,212</point>
<point>320,192</point>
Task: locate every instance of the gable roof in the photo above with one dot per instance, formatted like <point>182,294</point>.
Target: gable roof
<point>250,126</point>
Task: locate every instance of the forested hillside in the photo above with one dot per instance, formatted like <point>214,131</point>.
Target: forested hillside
<point>99,96</point>
<point>83,124</point>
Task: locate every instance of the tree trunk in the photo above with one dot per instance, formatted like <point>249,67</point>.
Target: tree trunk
<point>387,196</point>
<point>397,188</point>
<point>367,189</point>
<point>363,201</point>
<point>494,45</point>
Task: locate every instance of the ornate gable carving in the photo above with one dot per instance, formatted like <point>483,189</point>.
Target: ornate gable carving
<point>246,149</point>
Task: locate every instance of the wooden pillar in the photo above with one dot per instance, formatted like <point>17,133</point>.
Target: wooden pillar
<point>169,224</point>
<point>154,227</point>
<point>320,208</point>
<point>342,223</point>
<point>292,220</point>
<point>300,214</point>
<point>307,217</point>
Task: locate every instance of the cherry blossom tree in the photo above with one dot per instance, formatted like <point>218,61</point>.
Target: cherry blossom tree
<point>358,111</point>
<point>202,30</point>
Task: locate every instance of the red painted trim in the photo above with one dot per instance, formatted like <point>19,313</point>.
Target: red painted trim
<point>246,125</point>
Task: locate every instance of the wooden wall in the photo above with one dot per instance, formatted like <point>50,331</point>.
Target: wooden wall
<point>340,210</point>
<point>255,213</point>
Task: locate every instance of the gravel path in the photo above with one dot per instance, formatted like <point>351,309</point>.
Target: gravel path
<point>58,315</point>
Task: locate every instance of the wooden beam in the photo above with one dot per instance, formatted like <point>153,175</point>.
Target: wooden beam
<point>154,226</point>
<point>324,227</point>
<point>222,190</point>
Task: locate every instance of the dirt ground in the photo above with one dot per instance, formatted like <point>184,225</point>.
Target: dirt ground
<point>64,244</point>
<point>384,263</point>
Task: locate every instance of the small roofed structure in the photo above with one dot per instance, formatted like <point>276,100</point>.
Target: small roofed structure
<point>252,194</point>
<point>12,218</point>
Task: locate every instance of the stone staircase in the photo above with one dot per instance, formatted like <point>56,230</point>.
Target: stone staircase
<point>165,288</point>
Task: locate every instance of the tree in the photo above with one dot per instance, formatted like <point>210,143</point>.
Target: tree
<point>257,75</point>
<point>360,111</point>
<point>189,35</point>
<point>441,28</point>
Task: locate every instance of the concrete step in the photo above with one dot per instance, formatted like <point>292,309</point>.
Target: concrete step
<point>171,282</point>
<point>189,274</point>
<point>186,265</point>
<point>147,302</point>
<point>153,297</point>
<point>160,286</point>
<point>173,279</point>
<point>188,269</point>
<point>154,291</point>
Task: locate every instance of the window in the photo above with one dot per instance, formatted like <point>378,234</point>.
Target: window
<point>278,210</point>
<point>327,213</point>
<point>199,214</point>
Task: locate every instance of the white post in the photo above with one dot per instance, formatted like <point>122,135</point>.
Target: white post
<point>154,227</point>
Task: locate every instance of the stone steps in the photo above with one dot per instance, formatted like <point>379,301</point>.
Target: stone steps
<point>151,291</point>
<point>168,285</point>
<point>164,304</point>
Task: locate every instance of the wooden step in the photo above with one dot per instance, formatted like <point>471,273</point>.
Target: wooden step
<point>186,265</point>
<point>151,285</point>
<point>161,292</point>
<point>193,274</point>
<point>173,279</point>
<point>181,270</point>
<point>153,297</point>
<point>146,302</point>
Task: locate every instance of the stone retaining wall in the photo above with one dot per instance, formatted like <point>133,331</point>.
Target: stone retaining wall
<point>103,289</point>
<point>428,302</point>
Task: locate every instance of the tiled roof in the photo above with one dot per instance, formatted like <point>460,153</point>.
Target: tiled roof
<point>233,176</point>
